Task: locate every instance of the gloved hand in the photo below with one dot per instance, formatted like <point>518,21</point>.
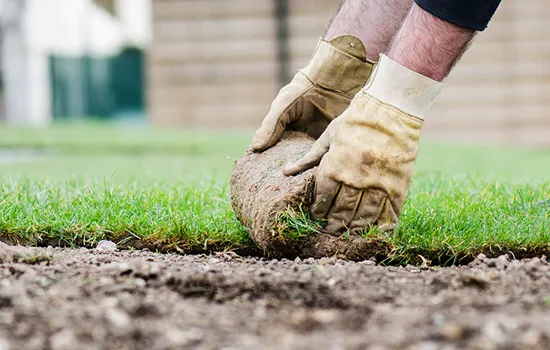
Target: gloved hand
<point>318,93</point>
<point>369,151</point>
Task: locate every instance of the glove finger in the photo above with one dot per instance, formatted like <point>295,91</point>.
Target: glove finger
<point>326,190</point>
<point>271,130</point>
<point>343,210</point>
<point>312,158</point>
<point>368,210</point>
<point>283,108</point>
<point>388,218</point>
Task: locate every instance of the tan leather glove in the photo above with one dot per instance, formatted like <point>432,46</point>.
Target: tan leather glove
<point>318,93</point>
<point>369,151</point>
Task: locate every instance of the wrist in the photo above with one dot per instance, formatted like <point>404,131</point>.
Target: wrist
<point>398,86</point>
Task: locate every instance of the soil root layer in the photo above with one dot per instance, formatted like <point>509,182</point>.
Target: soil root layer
<point>261,197</point>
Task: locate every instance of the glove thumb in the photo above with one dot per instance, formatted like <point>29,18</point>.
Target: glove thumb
<point>269,133</point>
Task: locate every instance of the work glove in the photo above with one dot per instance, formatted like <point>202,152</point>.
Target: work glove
<point>367,154</point>
<point>318,93</point>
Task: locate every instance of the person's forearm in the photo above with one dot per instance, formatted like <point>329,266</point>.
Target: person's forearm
<point>373,21</point>
<point>428,45</point>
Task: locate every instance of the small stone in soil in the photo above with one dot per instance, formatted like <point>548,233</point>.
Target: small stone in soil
<point>106,246</point>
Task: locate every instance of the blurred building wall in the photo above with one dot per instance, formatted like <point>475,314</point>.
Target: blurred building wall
<point>214,63</point>
<point>211,62</point>
<point>67,28</point>
<point>499,93</point>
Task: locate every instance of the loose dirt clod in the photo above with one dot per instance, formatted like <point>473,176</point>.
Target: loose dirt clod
<point>261,196</point>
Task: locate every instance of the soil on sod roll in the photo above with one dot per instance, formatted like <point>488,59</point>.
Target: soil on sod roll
<point>106,299</point>
<point>262,197</point>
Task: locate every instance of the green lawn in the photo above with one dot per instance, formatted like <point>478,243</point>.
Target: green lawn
<point>168,190</point>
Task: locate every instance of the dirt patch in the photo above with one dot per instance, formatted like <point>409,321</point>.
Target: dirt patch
<point>104,299</point>
<point>11,254</point>
<point>261,195</point>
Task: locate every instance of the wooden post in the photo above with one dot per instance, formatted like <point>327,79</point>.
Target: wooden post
<point>282,33</point>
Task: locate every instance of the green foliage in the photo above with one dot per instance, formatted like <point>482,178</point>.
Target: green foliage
<point>77,213</point>
<point>169,188</point>
<point>294,225</point>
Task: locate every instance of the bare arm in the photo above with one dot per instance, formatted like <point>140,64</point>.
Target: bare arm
<point>338,69</point>
<point>373,21</point>
<point>428,45</point>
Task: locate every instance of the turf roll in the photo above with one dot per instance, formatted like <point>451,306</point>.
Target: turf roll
<point>263,199</point>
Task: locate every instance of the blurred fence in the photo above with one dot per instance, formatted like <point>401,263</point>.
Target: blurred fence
<point>107,87</point>
<point>219,63</point>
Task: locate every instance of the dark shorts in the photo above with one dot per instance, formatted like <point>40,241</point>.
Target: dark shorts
<point>473,14</point>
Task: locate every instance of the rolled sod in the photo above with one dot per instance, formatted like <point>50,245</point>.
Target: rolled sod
<point>263,199</point>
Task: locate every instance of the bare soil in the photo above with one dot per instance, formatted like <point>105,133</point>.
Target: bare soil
<point>106,299</point>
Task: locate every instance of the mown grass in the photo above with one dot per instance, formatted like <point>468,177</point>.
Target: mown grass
<point>101,138</point>
<point>157,188</point>
<point>168,190</point>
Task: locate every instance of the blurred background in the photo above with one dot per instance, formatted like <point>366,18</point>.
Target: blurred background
<point>219,63</point>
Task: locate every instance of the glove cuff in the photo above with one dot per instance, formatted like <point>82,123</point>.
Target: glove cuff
<point>403,88</point>
<point>339,65</point>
